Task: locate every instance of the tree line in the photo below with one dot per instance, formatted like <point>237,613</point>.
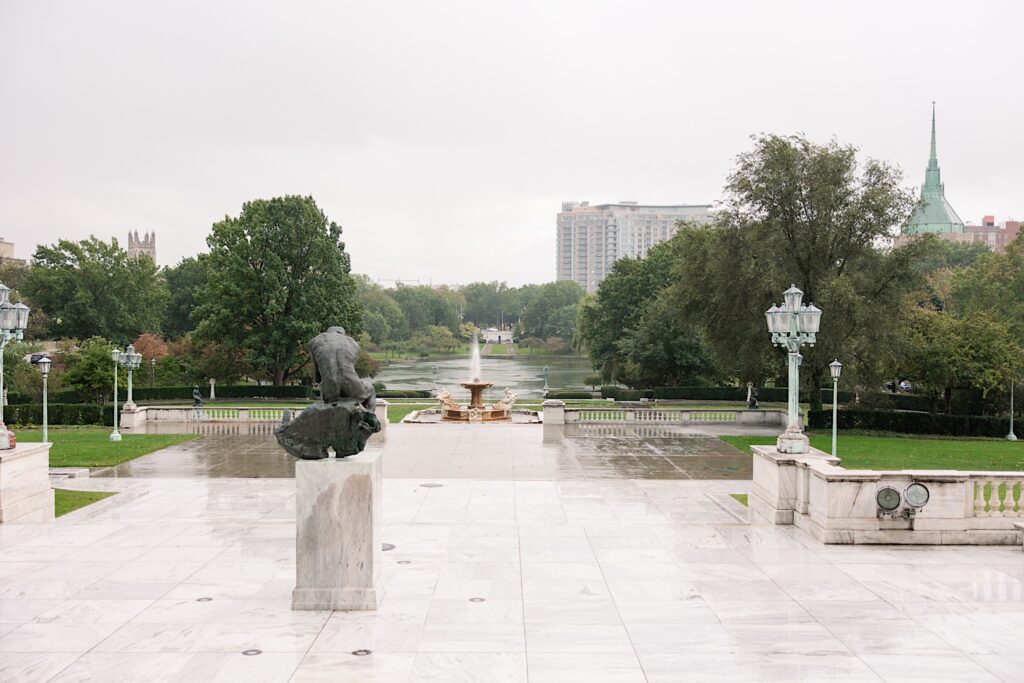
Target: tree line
<point>944,316</point>
<point>273,277</point>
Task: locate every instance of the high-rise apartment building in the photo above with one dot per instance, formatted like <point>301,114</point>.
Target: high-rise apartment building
<point>592,238</point>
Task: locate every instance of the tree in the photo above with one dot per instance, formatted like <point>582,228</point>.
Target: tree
<point>92,288</point>
<point>995,283</point>
<point>90,369</point>
<point>809,214</point>
<point>663,350</point>
<point>551,312</point>
<point>605,319</point>
<point>282,278</point>
<point>424,306</point>
<point>184,281</point>
<point>150,346</point>
<point>943,352</point>
<point>382,316</point>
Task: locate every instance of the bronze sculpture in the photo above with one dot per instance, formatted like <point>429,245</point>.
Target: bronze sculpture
<point>343,418</point>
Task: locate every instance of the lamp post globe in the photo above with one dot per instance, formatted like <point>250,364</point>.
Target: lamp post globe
<point>792,325</point>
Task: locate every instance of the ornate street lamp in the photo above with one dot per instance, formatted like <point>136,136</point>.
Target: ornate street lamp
<point>792,325</point>
<point>546,369</point>
<point>152,372</point>
<point>44,369</point>
<point>129,360</point>
<point>13,320</point>
<point>433,370</point>
<point>836,368</point>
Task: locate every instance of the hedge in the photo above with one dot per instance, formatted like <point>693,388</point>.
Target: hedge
<point>403,393</point>
<point>564,395</point>
<point>775,394</point>
<point>911,422</point>
<point>226,391</point>
<point>623,394</point>
<point>60,414</point>
<point>68,396</point>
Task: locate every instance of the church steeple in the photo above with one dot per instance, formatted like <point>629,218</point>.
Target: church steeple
<point>933,213</point>
<point>933,176</point>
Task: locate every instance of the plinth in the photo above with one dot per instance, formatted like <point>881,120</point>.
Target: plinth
<point>337,533</point>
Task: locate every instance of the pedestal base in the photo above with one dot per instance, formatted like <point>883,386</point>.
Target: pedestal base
<point>25,493</point>
<point>793,443</point>
<point>337,540</point>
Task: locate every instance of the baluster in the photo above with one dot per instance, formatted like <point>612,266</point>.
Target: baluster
<point>1019,487</point>
<point>992,498</point>
<point>979,497</point>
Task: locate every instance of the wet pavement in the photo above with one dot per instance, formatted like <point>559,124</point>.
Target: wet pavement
<point>470,451</point>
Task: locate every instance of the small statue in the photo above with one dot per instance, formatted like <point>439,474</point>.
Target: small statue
<point>344,417</point>
<point>751,397</point>
<point>197,398</point>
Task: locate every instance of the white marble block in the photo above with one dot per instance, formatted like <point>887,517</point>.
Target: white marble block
<point>25,492</point>
<point>338,533</point>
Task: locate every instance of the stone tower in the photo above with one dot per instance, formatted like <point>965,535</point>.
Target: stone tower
<point>933,212</point>
<point>146,246</point>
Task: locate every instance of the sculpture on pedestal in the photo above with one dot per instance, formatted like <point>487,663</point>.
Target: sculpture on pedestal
<point>343,419</point>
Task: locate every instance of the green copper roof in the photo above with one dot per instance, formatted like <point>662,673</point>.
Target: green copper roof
<point>933,213</point>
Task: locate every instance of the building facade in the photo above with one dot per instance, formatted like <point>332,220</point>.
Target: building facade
<point>142,247</point>
<point>592,238</point>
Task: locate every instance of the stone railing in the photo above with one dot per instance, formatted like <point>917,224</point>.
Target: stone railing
<point>131,419</point>
<point>837,505</point>
<point>556,412</point>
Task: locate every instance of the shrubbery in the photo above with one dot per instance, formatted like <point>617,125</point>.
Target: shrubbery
<point>623,394</point>
<point>403,393</point>
<point>60,414</point>
<point>227,391</point>
<point>911,422</point>
<point>565,395</point>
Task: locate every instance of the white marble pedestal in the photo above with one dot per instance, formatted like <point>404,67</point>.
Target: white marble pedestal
<point>338,528</point>
<point>25,492</point>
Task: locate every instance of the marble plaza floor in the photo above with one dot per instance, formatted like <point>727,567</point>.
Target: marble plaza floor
<point>475,451</point>
<point>593,578</point>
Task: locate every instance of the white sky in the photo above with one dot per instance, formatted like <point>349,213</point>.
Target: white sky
<point>443,135</point>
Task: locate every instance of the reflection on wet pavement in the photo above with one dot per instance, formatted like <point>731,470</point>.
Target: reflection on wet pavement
<point>460,451</point>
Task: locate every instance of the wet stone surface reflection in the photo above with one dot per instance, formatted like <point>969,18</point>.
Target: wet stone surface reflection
<point>476,451</point>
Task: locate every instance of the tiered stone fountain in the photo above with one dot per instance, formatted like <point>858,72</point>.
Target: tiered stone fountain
<point>476,410</point>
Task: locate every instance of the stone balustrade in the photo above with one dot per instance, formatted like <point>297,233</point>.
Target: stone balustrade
<point>556,412</point>
<point>838,505</point>
<point>132,419</point>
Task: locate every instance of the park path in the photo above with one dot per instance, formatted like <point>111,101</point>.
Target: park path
<point>486,351</point>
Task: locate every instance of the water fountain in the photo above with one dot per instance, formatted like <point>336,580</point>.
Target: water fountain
<point>476,410</point>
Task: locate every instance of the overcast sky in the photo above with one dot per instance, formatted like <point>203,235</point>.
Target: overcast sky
<point>443,136</point>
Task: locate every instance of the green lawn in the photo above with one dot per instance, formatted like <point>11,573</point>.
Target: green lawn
<point>66,501</point>
<point>740,497</point>
<point>499,350</point>
<point>863,451</point>
<point>92,447</point>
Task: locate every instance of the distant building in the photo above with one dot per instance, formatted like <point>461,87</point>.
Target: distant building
<point>933,213</point>
<point>7,253</point>
<point>997,237</point>
<point>592,238</point>
<point>142,247</point>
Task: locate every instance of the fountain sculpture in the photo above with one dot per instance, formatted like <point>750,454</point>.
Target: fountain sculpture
<point>477,410</point>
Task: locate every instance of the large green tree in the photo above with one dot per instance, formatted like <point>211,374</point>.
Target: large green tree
<point>279,275</point>
<point>184,281</point>
<point>812,215</point>
<point>550,312</point>
<point>92,288</point>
